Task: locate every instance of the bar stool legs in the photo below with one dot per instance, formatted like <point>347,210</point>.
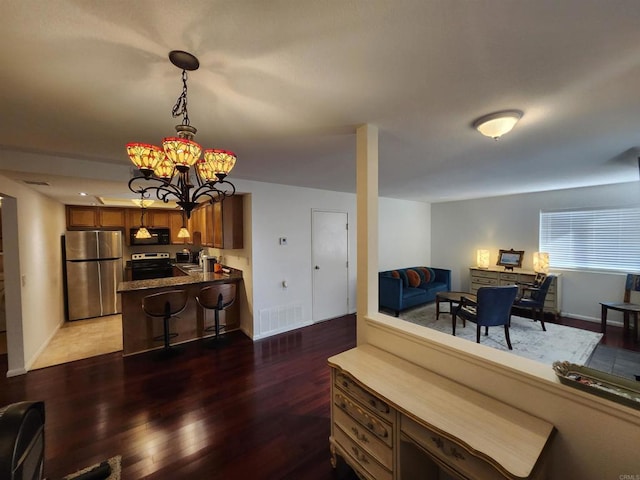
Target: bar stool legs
<point>165,305</point>
<point>217,298</point>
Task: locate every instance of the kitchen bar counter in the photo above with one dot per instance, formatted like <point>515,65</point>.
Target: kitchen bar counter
<point>138,330</point>
<point>191,278</point>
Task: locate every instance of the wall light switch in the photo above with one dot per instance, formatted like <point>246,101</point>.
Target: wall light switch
<point>283,240</point>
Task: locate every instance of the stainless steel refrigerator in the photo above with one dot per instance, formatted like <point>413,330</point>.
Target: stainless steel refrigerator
<point>93,270</point>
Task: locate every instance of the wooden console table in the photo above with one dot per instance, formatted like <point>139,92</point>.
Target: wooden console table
<point>391,420</point>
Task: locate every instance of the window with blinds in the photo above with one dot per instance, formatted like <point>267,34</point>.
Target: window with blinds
<point>592,239</point>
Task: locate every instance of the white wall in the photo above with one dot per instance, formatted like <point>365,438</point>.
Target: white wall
<point>272,211</point>
<point>460,228</point>
<point>404,234</point>
<point>33,271</point>
<point>284,211</point>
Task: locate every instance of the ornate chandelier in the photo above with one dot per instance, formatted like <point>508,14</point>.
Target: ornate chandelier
<point>168,168</point>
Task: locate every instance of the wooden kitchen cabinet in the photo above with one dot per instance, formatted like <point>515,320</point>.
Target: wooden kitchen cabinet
<point>82,217</point>
<point>228,223</point>
<point>220,225</point>
<point>111,217</point>
<point>158,218</point>
<point>175,224</point>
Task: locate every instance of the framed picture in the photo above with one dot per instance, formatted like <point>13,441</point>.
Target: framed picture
<point>510,259</point>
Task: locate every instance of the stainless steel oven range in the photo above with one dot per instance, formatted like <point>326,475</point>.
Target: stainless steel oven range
<point>151,265</point>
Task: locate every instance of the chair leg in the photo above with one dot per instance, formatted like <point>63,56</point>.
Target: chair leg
<point>453,323</point>
<point>506,335</point>
<point>166,331</point>
<point>486,331</point>
<point>478,333</point>
<point>542,320</point>
<point>217,320</point>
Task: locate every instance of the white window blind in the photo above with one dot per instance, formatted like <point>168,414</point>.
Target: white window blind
<point>603,238</point>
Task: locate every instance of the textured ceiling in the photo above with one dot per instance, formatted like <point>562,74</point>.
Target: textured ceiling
<point>284,84</point>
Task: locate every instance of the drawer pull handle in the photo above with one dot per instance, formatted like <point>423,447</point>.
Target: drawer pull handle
<point>453,451</point>
<point>360,436</point>
<point>359,456</point>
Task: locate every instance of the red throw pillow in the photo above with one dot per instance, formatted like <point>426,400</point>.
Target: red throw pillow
<point>414,278</point>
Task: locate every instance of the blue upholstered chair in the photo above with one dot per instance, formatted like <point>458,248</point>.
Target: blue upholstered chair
<point>492,308</point>
<point>533,298</point>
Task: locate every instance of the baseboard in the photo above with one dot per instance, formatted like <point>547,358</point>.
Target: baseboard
<point>42,348</point>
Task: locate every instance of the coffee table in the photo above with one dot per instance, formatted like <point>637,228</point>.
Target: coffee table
<point>453,298</point>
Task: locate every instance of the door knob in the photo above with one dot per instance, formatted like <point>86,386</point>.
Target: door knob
<point>317,267</point>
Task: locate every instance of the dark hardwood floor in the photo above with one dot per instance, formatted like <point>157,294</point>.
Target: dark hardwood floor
<point>244,410</point>
<point>257,410</point>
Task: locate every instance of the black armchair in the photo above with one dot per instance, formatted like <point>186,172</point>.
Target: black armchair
<point>492,308</point>
<point>533,298</point>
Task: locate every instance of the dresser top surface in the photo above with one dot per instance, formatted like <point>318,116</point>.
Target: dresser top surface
<point>501,433</point>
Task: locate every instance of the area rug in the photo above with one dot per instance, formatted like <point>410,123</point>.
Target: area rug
<point>99,470</point>
<point>527,337</point>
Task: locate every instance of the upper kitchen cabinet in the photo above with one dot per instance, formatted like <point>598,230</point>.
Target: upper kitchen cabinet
<point>219,225</point>
<point>175,223</point>
<point>228,223</point>
<point>201,224</point>
<point>82,218</point>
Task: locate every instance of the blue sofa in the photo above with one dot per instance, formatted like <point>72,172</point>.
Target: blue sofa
<point>403,288</point>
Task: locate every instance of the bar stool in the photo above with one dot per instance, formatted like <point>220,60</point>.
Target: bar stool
<point>217,298</point>
<point>165,305</point>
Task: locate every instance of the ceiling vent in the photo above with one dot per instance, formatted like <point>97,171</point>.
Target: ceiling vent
<point>37,182</point>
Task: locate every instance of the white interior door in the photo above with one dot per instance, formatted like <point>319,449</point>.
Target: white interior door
<point>330,267</point>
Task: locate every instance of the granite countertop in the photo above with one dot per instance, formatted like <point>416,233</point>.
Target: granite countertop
<point>192,277</point>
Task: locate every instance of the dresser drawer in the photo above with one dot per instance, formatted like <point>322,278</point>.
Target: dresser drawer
<point>377,427</point>
<point>510,277</point>
<point>483,282</point>
<point>364,437</point>
<point>347,384</point>
<point>484,274</point>
<point>360,457</point>
<point>447,452</point>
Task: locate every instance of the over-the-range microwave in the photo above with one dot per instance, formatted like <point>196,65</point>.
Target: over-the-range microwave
<point>159,236</point>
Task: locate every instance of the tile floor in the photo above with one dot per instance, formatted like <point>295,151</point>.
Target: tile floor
<point>616,361</point>
<point>82,339</point>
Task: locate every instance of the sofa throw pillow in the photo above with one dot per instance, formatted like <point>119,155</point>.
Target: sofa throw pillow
<point>413,277</point>
<point>405,279</point>
<point>428,273</point>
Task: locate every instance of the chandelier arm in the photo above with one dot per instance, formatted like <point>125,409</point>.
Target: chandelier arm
<point>213,193</point>
<point>225,192</point>
<point>162,191</point>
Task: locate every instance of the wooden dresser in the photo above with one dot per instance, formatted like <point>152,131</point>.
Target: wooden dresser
<point>484,277</point>
<point>391,419</point>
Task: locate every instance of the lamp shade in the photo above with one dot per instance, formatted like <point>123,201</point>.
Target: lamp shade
<point>183,233</point>
<point>181,151</point>
<point>541,262</point>
<point>143,233</point>
<point>497,124</point>
<point>145,156</point>
<point>482,258</point>
<point>221,161</point>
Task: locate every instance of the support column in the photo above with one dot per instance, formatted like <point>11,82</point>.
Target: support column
<point>367,234</point>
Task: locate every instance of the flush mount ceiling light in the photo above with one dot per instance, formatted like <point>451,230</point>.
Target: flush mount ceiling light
<point>497,124</point>
<point>168,168</point>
